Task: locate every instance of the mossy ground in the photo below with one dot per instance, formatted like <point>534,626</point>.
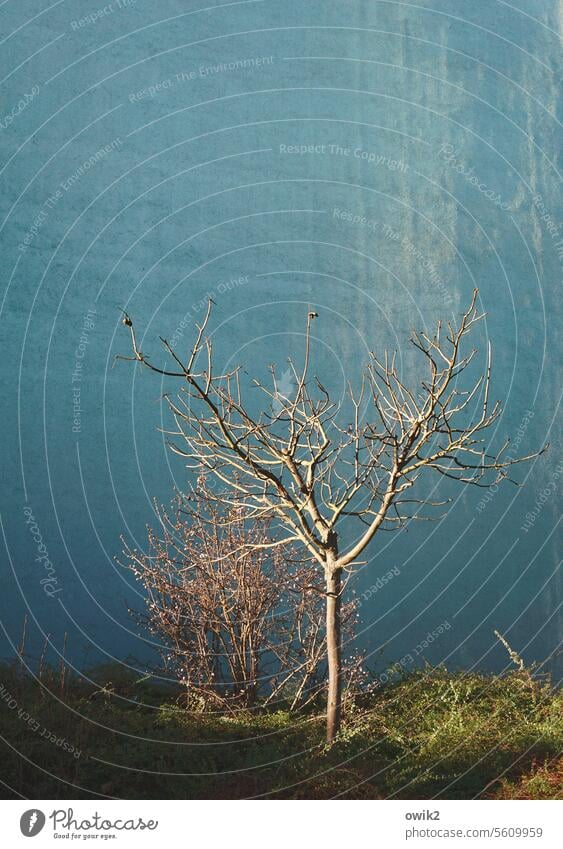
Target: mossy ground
<point>430,734</point>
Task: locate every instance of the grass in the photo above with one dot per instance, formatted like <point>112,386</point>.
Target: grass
<point>429,734</point>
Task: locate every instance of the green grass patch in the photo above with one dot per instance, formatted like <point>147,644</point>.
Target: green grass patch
<point>429,734</point>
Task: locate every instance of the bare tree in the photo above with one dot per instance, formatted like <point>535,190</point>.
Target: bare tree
<point>296,462</point>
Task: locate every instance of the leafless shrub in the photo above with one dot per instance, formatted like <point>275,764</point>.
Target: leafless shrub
<point>238,619</point>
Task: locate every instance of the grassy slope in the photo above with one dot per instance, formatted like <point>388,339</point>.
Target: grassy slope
<point>431,734</point>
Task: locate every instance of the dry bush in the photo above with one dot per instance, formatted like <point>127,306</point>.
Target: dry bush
<point>237,618</point>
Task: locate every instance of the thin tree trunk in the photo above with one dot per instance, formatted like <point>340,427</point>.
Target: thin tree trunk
<point>334,653</point>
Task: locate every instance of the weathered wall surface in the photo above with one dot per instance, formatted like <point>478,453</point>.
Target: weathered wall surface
<point>374,159</point>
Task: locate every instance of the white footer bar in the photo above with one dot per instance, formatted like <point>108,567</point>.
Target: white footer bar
<point>283,824</point>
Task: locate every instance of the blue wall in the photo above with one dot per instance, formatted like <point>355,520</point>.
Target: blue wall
<point>374,159</point>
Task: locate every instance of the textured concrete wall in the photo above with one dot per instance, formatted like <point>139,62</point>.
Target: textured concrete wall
<point>374,159</point>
